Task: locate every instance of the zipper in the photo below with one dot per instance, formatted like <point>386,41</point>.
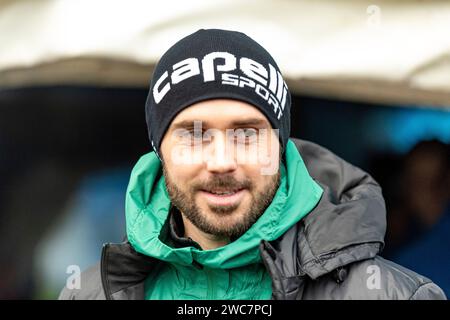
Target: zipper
<point>268,256</point>
<point>103,262</point>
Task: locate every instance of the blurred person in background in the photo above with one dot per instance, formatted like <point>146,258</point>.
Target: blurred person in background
<point>423,215</point>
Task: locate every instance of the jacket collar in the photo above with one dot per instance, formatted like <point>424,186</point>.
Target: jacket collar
<point>123,271</point>
<point>347,225</point>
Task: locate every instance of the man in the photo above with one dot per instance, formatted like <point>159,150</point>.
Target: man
<point>228,207</point>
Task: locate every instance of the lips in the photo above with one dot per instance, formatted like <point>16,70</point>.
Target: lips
<point>222,192</point>
<point>223,197</point>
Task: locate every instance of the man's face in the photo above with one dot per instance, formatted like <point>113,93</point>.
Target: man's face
<point>217,175</point>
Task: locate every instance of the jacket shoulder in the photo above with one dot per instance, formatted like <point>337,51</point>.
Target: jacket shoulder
<point>90,286</point>
<point>384,279</point>
<point>373,279</point>
<point>418,286</point>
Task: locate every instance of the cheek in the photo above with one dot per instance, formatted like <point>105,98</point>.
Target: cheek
<point>253,173</point>
<point>181,175</point>
<point>260,182</point>
<point>175,159</point>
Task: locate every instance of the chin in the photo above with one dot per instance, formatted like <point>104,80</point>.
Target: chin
<point>237,212</point>
<point>226,220</point>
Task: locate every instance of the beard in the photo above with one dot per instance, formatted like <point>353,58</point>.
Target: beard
<point>217,222</point>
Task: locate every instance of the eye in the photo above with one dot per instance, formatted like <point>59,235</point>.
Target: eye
<point>195,136</point>
<point>190,136</point>
<point>250,132</point>
<point>246,135</point>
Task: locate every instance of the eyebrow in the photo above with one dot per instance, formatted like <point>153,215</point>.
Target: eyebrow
<point>235,123</point>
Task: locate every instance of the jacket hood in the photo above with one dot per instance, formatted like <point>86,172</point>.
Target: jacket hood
<point>148,204</point>
<point>347,225</point>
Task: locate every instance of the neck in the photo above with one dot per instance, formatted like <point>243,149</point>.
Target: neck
<point>206,240</point>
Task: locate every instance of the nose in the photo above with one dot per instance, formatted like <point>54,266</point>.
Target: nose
<point>220,157</point>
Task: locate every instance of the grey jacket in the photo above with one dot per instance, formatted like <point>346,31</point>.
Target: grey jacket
<point>330,254</point>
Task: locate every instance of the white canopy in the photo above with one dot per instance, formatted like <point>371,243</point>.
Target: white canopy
<point>395,52</point>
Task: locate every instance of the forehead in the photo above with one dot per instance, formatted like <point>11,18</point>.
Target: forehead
<point>220,113</point>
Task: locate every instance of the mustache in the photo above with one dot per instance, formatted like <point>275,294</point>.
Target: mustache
<point>222,182</point>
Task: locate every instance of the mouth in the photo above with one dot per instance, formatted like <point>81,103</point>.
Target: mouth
<point>223,197</point>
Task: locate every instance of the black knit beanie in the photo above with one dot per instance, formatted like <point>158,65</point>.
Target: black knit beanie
<point>211,64</point>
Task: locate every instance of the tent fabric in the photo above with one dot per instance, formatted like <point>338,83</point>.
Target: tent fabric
<point>395,52</point>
